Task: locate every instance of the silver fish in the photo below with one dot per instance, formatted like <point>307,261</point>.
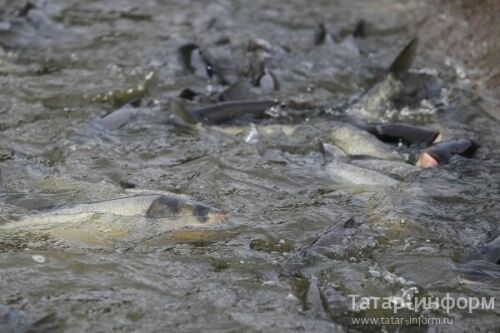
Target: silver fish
<point>152,206</point>
<point>358,142</point>
<point>348,174</point>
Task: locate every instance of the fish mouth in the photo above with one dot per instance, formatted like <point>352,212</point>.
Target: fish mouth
<point>427,161</point>
<point>221,216</point>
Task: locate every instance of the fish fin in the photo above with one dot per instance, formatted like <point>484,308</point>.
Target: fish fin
<point>238,91</point>
<point>360,29</point>
<point>323,152</point>
<point>320,34</point>
<point>184,54</point>
<point>181,112</point>
<point>405,58</point>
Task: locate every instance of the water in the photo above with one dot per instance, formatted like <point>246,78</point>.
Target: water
<point>257,271</point>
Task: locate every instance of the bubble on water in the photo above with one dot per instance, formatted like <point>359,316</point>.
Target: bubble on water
<point>252,136</point>
<point>375,273</point>
<point>461,73</point>
<point>149,76</point>
<point>38,259</point>
<point>427,71</point>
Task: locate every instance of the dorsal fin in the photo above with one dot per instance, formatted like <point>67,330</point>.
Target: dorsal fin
<point>405,58</point>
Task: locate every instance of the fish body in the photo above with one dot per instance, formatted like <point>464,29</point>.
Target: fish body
<point>151,206</point>
<point>394,132</point>
<point>118,118</point>
<point>395,169</point>
<point>348,174</point>
<point>14,321</point>
<point>442,152</point>
<point>491,251</point>
<point>373,103</point>
<point>355,141</point>
<point>229,110</point>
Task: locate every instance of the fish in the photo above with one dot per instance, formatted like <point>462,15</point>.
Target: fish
<point>482,263</point>
<point>193,60</point>
<point>395,169</point>
<point>31,27</point>
<point>222,111</point>
<point>14,321</point>
<point>348,174</point>
<point>320,34</point>
<point>151,206</point>
<point>121,97</point>
<point>409,134</point>
<point>238,91</point>
<point>227,110</point>
<point>360,30</point>
<point>117,118</point>
<point>196,61</point>
<point>491,251</point>
<point>267,81</point>
<point>373,102</point>
<point>442,152</point>
<point>355,141</point>
<point>182,113</point>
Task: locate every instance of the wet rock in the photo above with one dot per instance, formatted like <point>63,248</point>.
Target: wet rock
<point>272,245</point>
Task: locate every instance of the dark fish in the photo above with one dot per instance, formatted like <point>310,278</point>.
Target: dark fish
<point>442,152</point>
<point>194,60</point>
<point>23,12</point>
<point>393,132</point>
<point>360,29</point>
<point>491,251</point>
<point>188,94</point>
<point>228,110</point>
<point>319,34</point>
<point>13,321</point>
<point>185,58</point>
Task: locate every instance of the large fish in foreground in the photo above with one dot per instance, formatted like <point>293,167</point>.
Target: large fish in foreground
<point>128,218</point>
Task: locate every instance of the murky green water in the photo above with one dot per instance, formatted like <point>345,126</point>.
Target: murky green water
<point>255,272</point>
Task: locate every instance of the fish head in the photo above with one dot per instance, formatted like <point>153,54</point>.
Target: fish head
<point>190,211</point>
<point>208,215</point>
